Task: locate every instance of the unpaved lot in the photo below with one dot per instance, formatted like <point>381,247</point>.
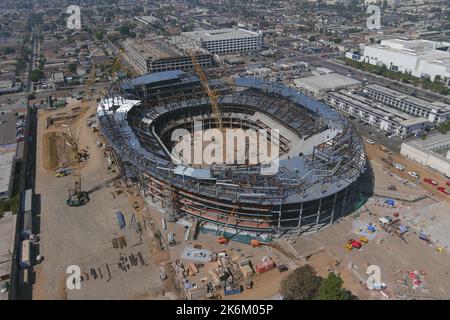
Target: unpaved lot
<point>82,236</point>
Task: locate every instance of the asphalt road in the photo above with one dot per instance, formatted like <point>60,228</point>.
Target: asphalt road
<point>369,132</point>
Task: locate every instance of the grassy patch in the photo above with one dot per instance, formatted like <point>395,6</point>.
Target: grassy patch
<point>9,205</point>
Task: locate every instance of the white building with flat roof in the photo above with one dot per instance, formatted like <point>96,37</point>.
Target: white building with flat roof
<point>318,85</point>
<point>228,40</point>
<point>378,115</point>
<point>433,151</point>
<point>435,112</point>
<point>420,58</point>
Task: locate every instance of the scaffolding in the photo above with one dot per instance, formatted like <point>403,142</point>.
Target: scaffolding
<point>289,201</point>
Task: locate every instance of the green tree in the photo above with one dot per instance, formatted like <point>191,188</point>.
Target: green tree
<point>72,67</point>
<point>36,75</point>
<point>331,289</point>
<point>300,284</point>
<point>99,35</point>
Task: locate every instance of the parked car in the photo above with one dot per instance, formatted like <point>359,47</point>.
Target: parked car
<point>399,166</point>
<point>444,190</point>
<point>4,287</point>
<point>283,268</point>
<point>370,141</point>
<point>430,181</point>
<point>414,174</point>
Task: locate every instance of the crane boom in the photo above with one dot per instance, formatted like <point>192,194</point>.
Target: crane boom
<point>211,93</point>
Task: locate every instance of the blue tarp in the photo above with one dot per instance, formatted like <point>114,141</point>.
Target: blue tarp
<point>120,219</point>
<point>402,229</point>
<point>390,202</point>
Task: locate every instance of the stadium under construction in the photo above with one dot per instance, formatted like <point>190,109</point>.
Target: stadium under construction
<point>321,157</point>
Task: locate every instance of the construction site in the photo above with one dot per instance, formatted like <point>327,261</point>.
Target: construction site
<point>141,225</point>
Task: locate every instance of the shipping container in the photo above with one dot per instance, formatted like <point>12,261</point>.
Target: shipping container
<point>25,254</point>
<point>265,266</point>
<point>28,202</point>
<point>232,290</point>
<point>27,215</point>
<point>24,277</point>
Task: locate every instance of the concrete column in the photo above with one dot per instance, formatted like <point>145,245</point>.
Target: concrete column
<point>300,218</point>
<point>334,207</point>
<point>318,214</point>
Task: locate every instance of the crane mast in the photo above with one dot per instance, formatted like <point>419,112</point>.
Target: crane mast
<point>211,93</point>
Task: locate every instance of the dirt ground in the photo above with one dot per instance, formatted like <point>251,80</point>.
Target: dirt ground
<point>425,212</point>
<point>83,236</point>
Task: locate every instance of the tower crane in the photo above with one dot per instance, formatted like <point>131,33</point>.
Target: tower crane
<point>211,93</point>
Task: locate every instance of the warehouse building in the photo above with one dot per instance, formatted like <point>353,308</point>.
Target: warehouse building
<point>420,58</point>
<point>229,40</point>
<point>383,117</point>
<point>149,56</point>
<point>435,112</point>
<point>8,145</point>
<point>320,84</point>
<point>7,232</point>
<point>433,151</point>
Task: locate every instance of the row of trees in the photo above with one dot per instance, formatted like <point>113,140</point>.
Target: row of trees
<point>304,284</point>
<point>427,84</point>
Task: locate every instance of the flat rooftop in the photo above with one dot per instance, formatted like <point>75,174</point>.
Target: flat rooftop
<point>408,98</point>
<point>162,49</point>
<point>8,129</point>
<point>7,232</point>
<point>220,34</point>
<point>328,81</point>
<point>431,140</point>
<point>378,109</point>
<point>7,154</point>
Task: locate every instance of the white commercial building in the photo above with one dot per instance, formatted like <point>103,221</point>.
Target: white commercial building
<point>318,85</point>
<point>376,114</point>
<point>229,40</point>
<point>435,112</point>
<point>434,151</point>
<point>420,58</point>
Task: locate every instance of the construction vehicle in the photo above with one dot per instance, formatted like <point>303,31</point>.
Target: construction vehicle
<point>62,172</point>
<point>222,239</point>
<point>211,93</point>
<point>77,197</point>
<point>353,244</point>
<point>162,274</point>
<point>363,239</point>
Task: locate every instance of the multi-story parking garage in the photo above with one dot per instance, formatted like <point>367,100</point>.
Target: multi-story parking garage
<point>321,158</point>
